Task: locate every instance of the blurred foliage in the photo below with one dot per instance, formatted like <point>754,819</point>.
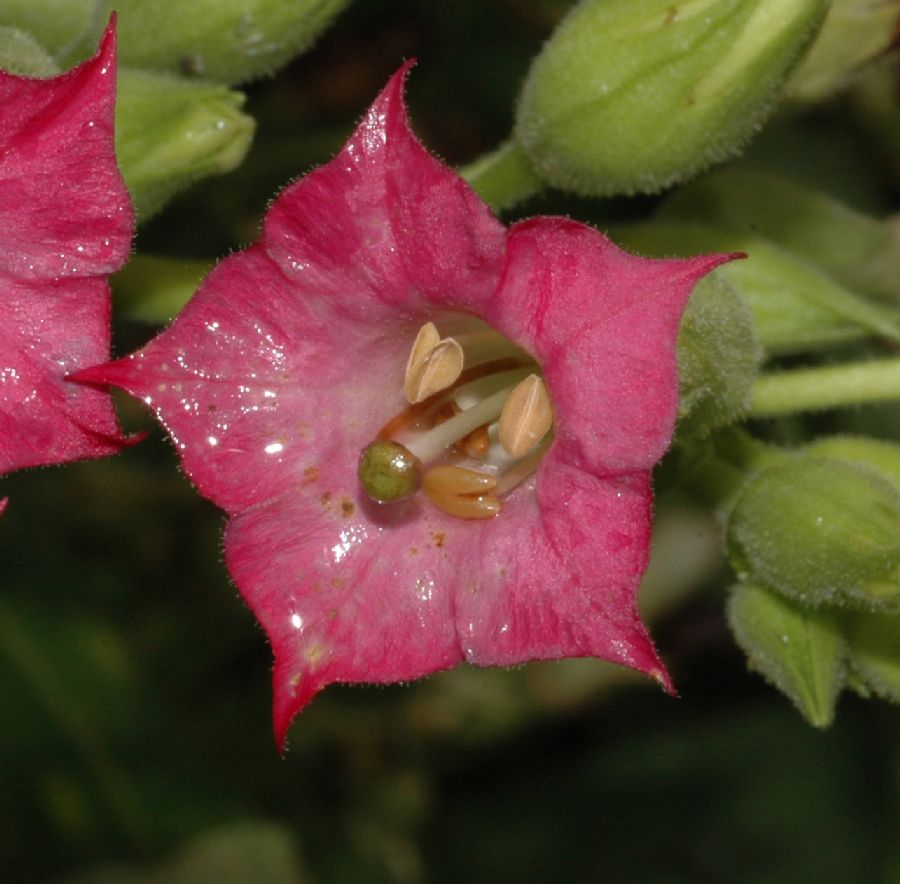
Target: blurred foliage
<point>135,742</point>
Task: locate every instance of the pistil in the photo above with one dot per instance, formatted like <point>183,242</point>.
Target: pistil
<point>430,446</point>
<point>496,413</point>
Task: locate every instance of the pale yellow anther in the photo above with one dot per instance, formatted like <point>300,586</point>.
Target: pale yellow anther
<point>426,340</point>
<point>458,480</point>
<point>526,417</point>
<point>434,371</point>
<point>462,493</point>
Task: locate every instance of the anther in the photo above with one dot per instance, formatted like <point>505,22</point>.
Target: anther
<point>426,340</point>
<point>462,493</point>
<point>435,371</point>
<point>526,417</point>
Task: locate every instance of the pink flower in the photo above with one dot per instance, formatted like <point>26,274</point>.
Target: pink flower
<point>290,358</point>
<point>65,223</point>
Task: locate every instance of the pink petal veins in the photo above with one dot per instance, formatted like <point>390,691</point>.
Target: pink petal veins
<point>290,358</point>
<point>65,223</point>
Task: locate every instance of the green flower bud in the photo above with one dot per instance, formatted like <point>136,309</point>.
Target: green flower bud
<point>820,531</point>
<point>230,41</point>
<point>861,252</point>
<point>795,306</point>
<point>718,357</point>
<point>798,650</point>
<point>56,24</point>
<point>874,645</point>
<point>171,132</point>
<point>21,54</point>
<point>854,32</point>
<point>635,95</point>
<point>876,454</point>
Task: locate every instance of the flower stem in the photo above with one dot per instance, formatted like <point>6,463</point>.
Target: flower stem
<point>503,177</point>
<point>830,386</point>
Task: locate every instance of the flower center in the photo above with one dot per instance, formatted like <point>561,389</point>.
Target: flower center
<point>478,422</point>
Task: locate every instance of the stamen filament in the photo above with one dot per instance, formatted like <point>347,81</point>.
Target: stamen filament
<point>469,394</point>
<point>431,445</point>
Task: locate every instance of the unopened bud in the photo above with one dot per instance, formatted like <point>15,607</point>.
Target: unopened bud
<point>821,531</point>
<point>877,454</point>
<point>854,32</point>
<point>170,132</point>
<point>229,41</point>
<point>56,24</point>
<point>631,97</point>
<point>22,55</point>
<point>718,357</point>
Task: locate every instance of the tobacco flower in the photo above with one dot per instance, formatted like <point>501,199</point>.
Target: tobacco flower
<point>332,330</point>
<point>65,223</point>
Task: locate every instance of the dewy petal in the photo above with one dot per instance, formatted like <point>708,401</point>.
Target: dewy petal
<point>384,227</point>
<point>65,222</point>
<point>346,595</point>
<point>290,358</point>
<point>64,209</point>
<point>254,388</point>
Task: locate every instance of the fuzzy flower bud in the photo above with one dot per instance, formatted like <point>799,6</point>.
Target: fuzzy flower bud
<point>231,41</point>
<point>854,33</point>
<point>634,96</point>
<point>171,132</point>
<point>820,530</point>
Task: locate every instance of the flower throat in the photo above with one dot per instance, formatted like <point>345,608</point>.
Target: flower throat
<point>478,422</point>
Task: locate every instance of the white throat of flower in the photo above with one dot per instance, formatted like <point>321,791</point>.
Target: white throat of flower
<point>478,422</point>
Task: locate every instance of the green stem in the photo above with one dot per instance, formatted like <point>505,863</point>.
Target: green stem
<point>503,177</point>
<point>154,289</point>
<point>830,386</point>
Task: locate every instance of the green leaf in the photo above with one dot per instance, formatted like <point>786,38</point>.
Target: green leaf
<point>799,650</point>
<point>718,358</point>
<point>861,252</point>
<point>874,643</point>
<point>819,530</point>
<point>170,132</point>
<point>795,306</point>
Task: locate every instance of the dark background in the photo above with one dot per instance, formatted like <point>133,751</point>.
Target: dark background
<point>134,683</point>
